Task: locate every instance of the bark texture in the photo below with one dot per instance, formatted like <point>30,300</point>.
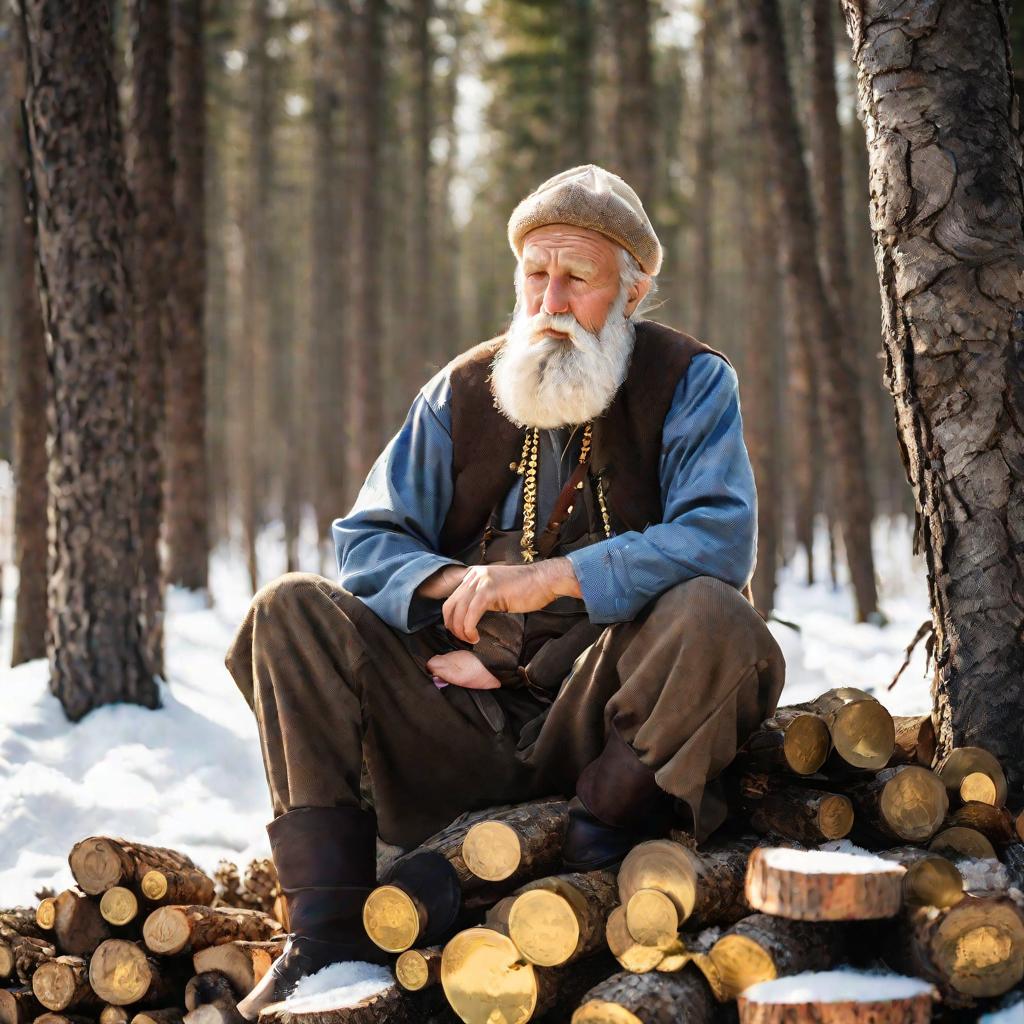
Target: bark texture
<point>186,512</point>
<point>936,96</point>
<point>96,639</point>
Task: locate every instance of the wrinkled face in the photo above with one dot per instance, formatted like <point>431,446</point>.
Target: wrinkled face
<point>571,270</point>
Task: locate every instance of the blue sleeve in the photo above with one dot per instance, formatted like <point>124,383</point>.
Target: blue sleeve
<point>387,545</point>
<point>709,521</point>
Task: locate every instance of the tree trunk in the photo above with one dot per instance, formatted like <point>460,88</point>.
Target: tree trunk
<point>704,178</point>
<point>96,644</point>
<point>151,177</point>
<point>26,336</point>
<point>946,216</point>
<point>186,513</point>
<point>364,405</point>
<point>761,33</point>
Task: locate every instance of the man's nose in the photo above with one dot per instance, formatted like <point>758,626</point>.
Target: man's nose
<point>556,297</point>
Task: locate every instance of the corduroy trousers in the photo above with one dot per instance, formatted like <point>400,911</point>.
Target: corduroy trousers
<point>347,716</point>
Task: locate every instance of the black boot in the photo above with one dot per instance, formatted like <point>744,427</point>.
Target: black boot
<point>326,861</point>
<point>617,805</point>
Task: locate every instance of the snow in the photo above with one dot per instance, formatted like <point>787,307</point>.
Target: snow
<point>190,775</point>
<point>840,986</point>
<point>338,985</point>
<point>827,862</point>
<point>1012,1014</point>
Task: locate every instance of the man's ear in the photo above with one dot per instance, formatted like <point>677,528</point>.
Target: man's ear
<point>636,295</point>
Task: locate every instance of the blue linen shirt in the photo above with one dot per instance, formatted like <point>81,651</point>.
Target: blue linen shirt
<point>388,544</point>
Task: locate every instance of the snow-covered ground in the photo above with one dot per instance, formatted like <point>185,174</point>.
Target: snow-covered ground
<point>190,775</point>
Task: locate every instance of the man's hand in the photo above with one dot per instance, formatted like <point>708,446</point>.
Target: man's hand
<point>462,668</point>
<point>506,588</point>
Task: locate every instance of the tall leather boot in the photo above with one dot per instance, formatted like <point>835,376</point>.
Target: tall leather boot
<point>617,804</point>
<point>326,861</point>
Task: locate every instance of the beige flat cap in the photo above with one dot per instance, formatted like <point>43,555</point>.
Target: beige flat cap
<point>588,196</point>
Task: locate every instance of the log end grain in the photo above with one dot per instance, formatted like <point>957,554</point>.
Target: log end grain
<point>392,919</point>
<point>97,864</point>
<point>119,972</point>
<point>485,979</point>
<point>119,905</point>
<point>544,926</point>
<point>492,851</point>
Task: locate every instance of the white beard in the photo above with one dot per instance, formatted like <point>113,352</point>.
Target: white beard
<point>546,382</point>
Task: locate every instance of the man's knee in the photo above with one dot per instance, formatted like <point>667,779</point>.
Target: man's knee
<point>709,604</point>
<point>286,595</point>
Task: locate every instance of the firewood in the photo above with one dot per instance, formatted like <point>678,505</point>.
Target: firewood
<point>809,816</point>
<point>388,1006</point>
<point>417,969</point>
<point>100,862</point>
<point>906,803</point>
<point>931,879</point>
<point>77,924</point>
<point>915,740</point>
<point>62,1018</point>
<point>775,1002</point>
<point>169,886</point>
<point>210,1014</point>
<point>46,913</point>
<point>559,919</point>
<point>111,1014</point>
<point>243,963</point>
<point>635,957</point>
<point>627,998</point>
<point>177,929</point>
<point>760,948</point>
<point>962,842</point>
<point>6,961</point>
<point>813,885</point>
<point>19,921</point>
<point>209,987</point>
<point>515,845</point>
<point>862,730</point>
<point>170,1015</point>
<point>121,973</point>
<point>19,1005</point>
<point>63,982</point>
<point>791,740</point>
<point>962,762</point>
<point>994,822</point>
<point>119,906</point>
<point>706,888</point>
<point>29,955</point>
<point>970,950</point>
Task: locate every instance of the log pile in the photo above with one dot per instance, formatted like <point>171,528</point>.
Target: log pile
<point>844,849</point>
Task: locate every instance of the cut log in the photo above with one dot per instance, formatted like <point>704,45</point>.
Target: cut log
<point>962,762</point>
<point>177,929</point>
<point>994,822</point>
<point>209,987</point>
<point>46,913</point>
<point>29,955</point>
<point>791,740</point>
<point>635,957</point>
<point>20,921</point>
<point>6,961</point>
<point>121,973</point>
<point>170,1015</point>
<point>19,1005</point>
<point>815,885</point>
<point>111,1014</point>
<point>962,842</point>
<point>931,879</point>
<point>210,1014</point>
<point>63,982</point>
<point>167,885</point>
<point>915,740</point>
<point>243,963</point>
<point>559,919</point>
<point>645,998</point>
<point>760,948</point>
<point>78,925</point>
<point>839,997</point>
<point>99,863</point>
<point>516,845</point>
<point>809,816</point>
<point>906,803</point>
<point>706,888</point>
<point>971,950</point>
<point>62,1018</point>
<point>417,969</point>
<point>119,906</point>
<point>862,730</point>
<point>388,1006</point>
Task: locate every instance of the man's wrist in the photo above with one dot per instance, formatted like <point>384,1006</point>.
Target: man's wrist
<point>440,585</point>
<point>561,577</point>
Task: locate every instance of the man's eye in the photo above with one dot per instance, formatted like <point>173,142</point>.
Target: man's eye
<point>537,273</point>
<point>573,277</point>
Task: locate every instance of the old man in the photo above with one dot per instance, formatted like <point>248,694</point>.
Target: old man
<point>540,591</point>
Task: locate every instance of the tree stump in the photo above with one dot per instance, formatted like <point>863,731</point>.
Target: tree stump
<point>679,998</point>
<point>175,929</point>
<point>814,885</point>
<point>99,863</point>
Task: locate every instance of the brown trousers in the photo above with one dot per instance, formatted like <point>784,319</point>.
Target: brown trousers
<point>347,715</point>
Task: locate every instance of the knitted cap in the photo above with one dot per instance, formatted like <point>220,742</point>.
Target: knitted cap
<point>588,196</point>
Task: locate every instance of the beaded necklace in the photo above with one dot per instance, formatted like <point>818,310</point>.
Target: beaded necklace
<point>527,468</point>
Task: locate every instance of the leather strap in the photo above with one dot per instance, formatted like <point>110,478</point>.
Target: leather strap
<point>566,500</point>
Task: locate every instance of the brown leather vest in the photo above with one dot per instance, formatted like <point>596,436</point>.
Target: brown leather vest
<point>626,446</point>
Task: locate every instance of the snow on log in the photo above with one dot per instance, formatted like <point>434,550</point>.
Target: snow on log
<point>862,730</point>
<point>791,740</point>
<point>626,998</point>
<point>818,885</point>
<point>177,929</point>
<point>342,993</point>
<point>100,862</point>
<point>837,997</point>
